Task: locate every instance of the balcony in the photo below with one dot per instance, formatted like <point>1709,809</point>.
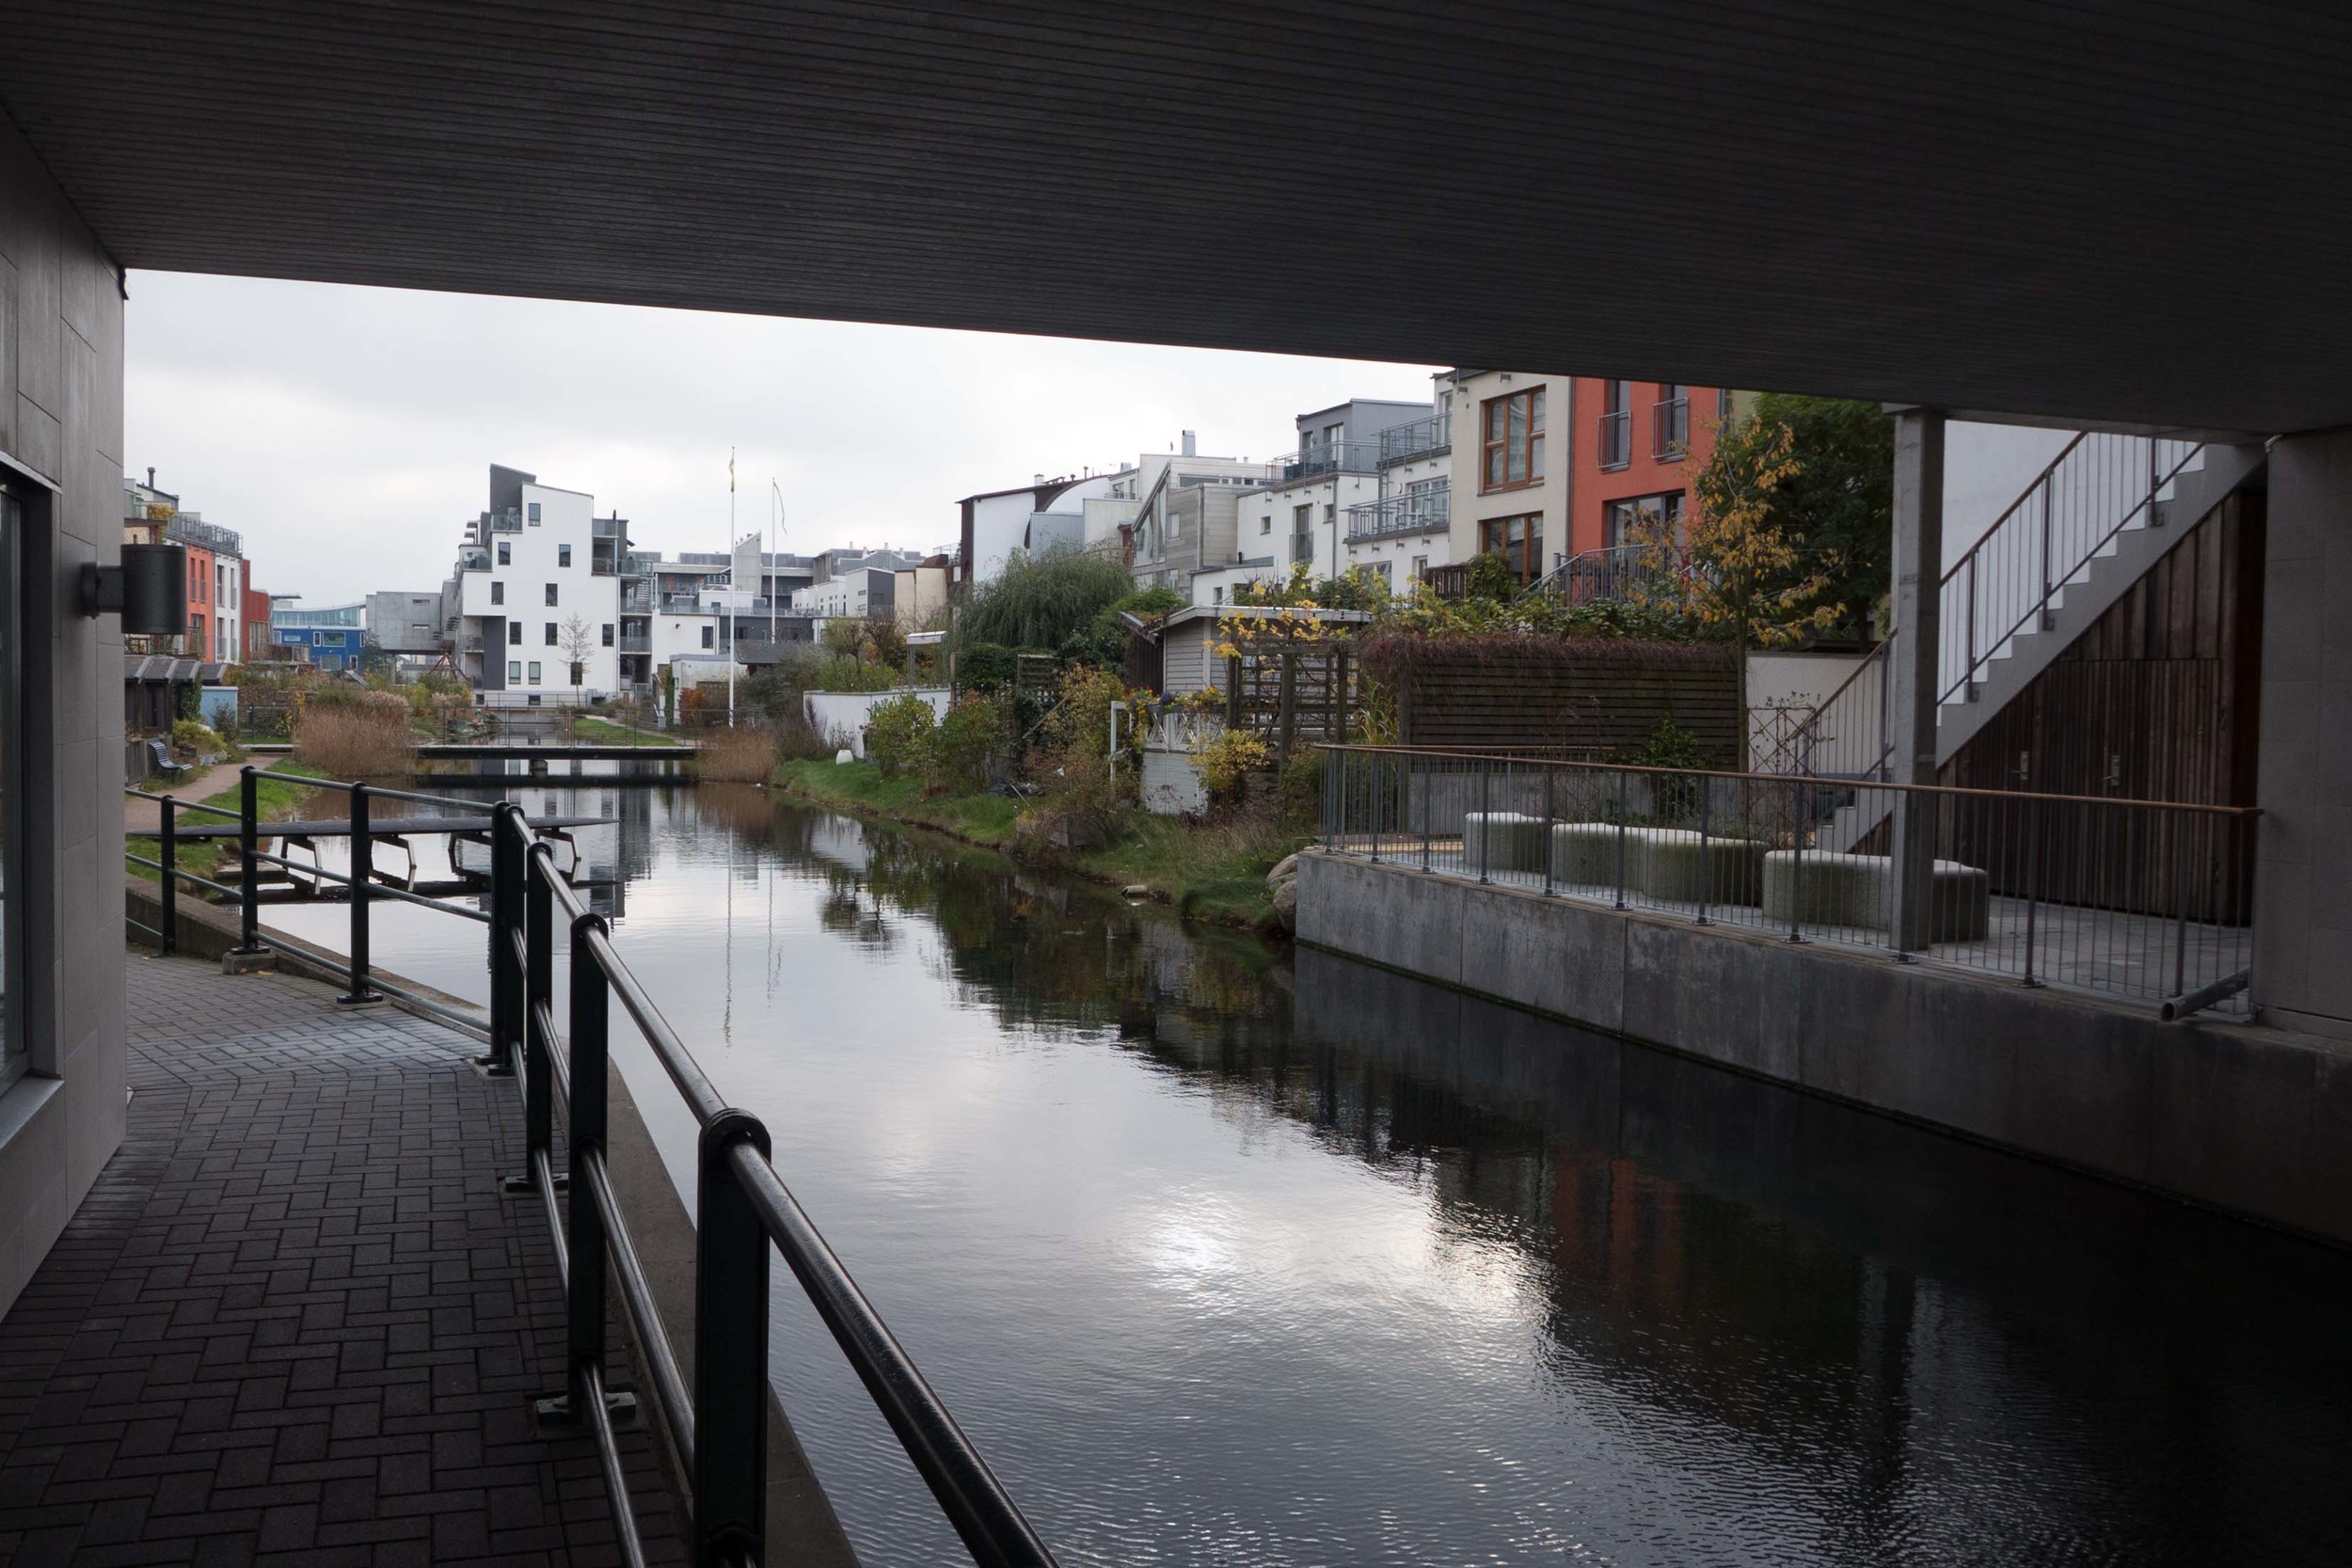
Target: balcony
<point>634,642</point>
<point>1670,428</point>
<point>1427,437</point>
<point>1424,511</point>
<point>1615,448</point>
<point>1328,457</point>
<point>204,536</point>
<point>508,521</point>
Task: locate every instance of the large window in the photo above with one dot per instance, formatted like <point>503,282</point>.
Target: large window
<point>550,634</point>
<point>1302,532</point>
<point>515,634</point>
<point>1645,520</point>
<point>1513,444</point>
<point>1615,444</point>
<point>1670,422</point>
<point>11,799</point>
<point>563,555</point>
<point>497,591</point>
<point>1518,540</point>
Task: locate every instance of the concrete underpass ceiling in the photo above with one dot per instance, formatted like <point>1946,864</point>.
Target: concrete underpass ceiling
<point>2128,212</point>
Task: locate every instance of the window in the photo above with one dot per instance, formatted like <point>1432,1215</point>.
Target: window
<point>1670,422</point>
<point>550,634</point>
<point>514,671</point>
<point>710,637</point>
<point>534,523</point>
<point>608,634</point>
<point>1518,540</point>
<point>563,555</point>
<point>506,553</point>
<point>497,593</point>
<point>550,594</point>
<point>1616,425</point>
<point>1420,568</point>
<point>1216,594</point>
<point>1644,520</point>
<point>515,633</point>
<point>1265,524</point>
<point>1514,440</point>
<point>1330,511</point>
<point>534,672</point>
<point>1379,568</point>
<point>1302,532</point>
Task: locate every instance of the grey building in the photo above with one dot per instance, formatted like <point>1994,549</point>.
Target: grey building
<point>406,623</point>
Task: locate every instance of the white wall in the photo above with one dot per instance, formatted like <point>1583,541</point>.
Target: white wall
<point>840,716</point>
<point>1986,468</point>
<point>566,518</point>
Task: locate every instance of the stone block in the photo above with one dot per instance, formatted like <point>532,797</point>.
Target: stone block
<point>1674,865</point>
<point>1584,854</point>
<point>1501,841</point>
<point>1858,891</point>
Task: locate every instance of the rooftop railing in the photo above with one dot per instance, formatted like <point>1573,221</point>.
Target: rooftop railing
<point>209,536</point>
<point>716,1423</point>
<point>2139,899</point>
<point>1328,457</point>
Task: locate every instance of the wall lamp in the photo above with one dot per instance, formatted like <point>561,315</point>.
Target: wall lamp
<point>150,590</point>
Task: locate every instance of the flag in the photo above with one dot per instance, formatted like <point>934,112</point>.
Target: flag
<point>730,470</point>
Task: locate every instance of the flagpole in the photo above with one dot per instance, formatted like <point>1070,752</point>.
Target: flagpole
<point>731,586</point>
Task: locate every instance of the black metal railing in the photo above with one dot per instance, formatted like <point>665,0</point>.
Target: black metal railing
<point>2143,899</point>
<point>1670,428</point>
<point>1427,437</point>
<point>1616,448</point>
<point>716,1422</point>
<point>1422,511</point>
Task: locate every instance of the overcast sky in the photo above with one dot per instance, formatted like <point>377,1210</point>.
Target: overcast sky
<point>349,433</point>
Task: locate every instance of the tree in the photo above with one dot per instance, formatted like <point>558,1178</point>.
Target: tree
<point>1835,508</point>
<point>577,642</point>
<point>1747,575</point>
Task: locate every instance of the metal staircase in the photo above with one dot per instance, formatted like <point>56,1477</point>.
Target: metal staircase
<point>2089,526</point>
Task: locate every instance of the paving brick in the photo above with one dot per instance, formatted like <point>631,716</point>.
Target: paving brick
<point>294,1320</point>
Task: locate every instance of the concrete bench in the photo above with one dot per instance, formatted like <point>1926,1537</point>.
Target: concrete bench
<point>1859,890</point>
<point>1501,841</point>
<point>1662,862</point>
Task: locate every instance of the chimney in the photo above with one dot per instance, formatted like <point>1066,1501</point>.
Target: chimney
<point>1037,479</point>
<point>150,479</point>
<point>1190,445</point>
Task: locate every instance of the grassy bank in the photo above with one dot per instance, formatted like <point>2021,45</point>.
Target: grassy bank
<point>274,799</point>
<point>1214,871</point>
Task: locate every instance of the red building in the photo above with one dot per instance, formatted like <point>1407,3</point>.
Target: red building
<point>255,620</point>
<point>202,620</point>
<point>1639,444</point>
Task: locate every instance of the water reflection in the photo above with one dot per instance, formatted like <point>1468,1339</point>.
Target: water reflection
<point>1227,1258</point>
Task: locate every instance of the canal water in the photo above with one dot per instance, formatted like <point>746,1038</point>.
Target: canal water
<point>1224,1256</point>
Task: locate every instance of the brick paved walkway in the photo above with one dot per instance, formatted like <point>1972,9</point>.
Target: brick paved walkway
<point>296,1321</point>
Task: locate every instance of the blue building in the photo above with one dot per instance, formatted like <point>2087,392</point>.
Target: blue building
<point>331,637</point>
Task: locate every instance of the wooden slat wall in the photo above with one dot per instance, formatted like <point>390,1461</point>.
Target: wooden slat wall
<point>1607,700</point>
<point>2157,698</point>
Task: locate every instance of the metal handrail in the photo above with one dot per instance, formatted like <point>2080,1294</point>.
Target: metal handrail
<point>716,1421</point>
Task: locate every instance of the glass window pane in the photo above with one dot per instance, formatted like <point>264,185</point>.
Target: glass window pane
<point>1535,405</point>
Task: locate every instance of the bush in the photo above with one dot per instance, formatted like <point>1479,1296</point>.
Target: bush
<point>986,667</point>
<point>351,733</point>
<point>1491,576</point>
<point>1227,759</point>
<point>1044,602</point>
<point>900,735</point>
<point>1299,792</point>
<point>1073,764</point>
<point>966,744</point>
<point>1107,640</point>
<point>743,754</point>
<point>851,674</point>
<point>193,735</point>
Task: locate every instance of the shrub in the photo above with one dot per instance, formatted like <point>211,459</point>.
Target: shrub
<point>193,735</point>
<point>851,674</point>
<point>986,667</point>
<point>966,742</point>
<point>1299,792</point>
<point>351,733</point>
<point>1227,759</point>
<point>1074,763</point>
<point>741,755</point>
<point>900,735</point>
<point>1491,576</point>
<point>1107,640</point>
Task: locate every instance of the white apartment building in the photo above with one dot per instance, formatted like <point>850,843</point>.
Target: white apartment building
<point>537,593</point>
<point>1087,511</point>
<point>1406,528</point>
<point>1300,511</point>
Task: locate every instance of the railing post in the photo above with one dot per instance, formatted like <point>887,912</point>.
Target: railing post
<point>1802,803</point>
<point>1486,814</point>
<point>1426,815</point>
<point>585,1337</point>
<point>2180,892</point>
<point>168,851</point>
<point>2033,883</point>
<point>730,1480</point>
<point>1378,766</point>
<point>538,995</point>
<point>2048,489</point>
<point>1968,666</point>
<point>1552,780</point>
<point>1621,815</point>
<point>249,869</point>
<point>362,873</point>
<point>1705,860</point>
<point>506,922</point>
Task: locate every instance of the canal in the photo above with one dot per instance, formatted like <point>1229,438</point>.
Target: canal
<point>1225,1256</point>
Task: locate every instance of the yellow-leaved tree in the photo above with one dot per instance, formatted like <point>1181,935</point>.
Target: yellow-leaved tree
<point>1745,572</point>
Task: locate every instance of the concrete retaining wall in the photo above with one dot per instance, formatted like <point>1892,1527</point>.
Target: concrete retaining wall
<point>2243,1118</point>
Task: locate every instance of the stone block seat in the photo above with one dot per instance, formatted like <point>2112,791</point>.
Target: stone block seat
<point>1859,891</point>
<point>1501,841</point>
<point>1666,864</point>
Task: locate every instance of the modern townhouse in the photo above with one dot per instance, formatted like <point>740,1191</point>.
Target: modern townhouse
<point>1643,442</point>
<point>1511,454</point>
<point>537,594</point>
<point>331,637</point>
<point>1405,530</point>
<point>1296,511</point>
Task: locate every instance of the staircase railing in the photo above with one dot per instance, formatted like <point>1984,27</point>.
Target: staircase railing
<point>2098,486</point>
<point>1613,573</point>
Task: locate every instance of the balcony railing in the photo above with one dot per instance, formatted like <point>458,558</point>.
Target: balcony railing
<point>1427,437</point>
<point>1670,428</point>
<point>508,521</point>
<point>205,536</point>
<point>634,642</point>
<point>714,1421</point>
<point>1329,457</point>
<point>1615,446</point>
<point>1426,511</point>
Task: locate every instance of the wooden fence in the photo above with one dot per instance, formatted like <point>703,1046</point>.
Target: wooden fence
<point>1595,697</point>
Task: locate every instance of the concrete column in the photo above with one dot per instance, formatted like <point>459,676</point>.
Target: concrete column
<point>2303,859</point>
<point>1911,676</point>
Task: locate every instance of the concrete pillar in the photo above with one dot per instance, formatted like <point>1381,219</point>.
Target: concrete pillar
<point>1911,676</point>
<point>2303,860</point>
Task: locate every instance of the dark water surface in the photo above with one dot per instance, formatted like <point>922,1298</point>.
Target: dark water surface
<point>1223,1258</point>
